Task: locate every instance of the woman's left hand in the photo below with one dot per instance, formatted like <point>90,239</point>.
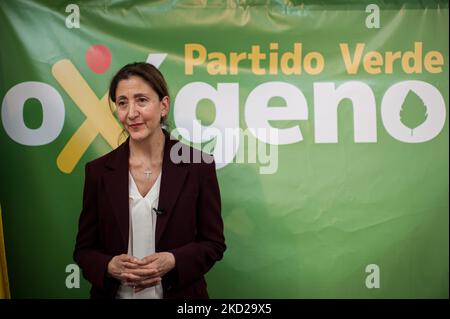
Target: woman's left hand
<point>151,267</point>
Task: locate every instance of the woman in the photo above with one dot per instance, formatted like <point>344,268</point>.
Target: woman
<point>150,227</point>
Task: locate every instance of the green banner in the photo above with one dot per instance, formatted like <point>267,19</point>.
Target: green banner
<point>328,122</point>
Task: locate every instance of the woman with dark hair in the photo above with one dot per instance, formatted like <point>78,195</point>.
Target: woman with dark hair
<point>150,227</point>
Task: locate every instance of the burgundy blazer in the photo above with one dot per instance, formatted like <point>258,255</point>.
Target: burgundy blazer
<point>190,225</point>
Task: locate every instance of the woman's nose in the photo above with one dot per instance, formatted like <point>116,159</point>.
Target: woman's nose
<point>132,112</point>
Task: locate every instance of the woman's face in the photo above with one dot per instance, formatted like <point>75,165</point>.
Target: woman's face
<point>139,108</point>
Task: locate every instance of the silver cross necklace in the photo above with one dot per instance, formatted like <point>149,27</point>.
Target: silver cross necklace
<point>147,173</point>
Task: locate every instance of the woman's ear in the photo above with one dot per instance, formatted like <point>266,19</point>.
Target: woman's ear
<point>165,106</point>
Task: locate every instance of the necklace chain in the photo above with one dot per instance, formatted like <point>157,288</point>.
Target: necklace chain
<point>147,171</point>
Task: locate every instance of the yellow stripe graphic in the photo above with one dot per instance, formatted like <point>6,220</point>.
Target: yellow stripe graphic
<point>4,283</point>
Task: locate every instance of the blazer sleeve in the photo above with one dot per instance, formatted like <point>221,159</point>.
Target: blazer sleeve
<point>196,258</point>
<point>88,252</point>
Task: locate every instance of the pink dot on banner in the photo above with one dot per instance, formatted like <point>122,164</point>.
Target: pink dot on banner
<point>98,58</point>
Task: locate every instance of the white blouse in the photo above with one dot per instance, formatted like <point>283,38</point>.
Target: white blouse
<point>141,240</point>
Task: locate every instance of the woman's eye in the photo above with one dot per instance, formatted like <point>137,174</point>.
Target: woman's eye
<point>142,100</point>
<point>122,104</point>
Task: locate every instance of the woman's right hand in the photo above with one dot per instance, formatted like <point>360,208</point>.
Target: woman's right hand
<point>119,266</point>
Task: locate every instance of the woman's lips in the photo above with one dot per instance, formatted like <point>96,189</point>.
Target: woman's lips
<point>135,125</point>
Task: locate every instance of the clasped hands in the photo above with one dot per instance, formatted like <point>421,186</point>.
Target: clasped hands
<point>141,273</point>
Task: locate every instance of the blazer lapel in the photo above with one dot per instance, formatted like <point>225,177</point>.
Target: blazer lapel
<point>172,180</point>
<point>116,185</point>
